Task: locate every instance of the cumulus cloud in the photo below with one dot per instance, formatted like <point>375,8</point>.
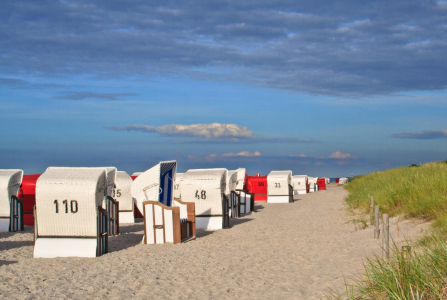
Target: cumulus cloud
<point>340,48</point>
<point>87,95</point>
<point>208,133</point>
<point>338,154</point>
<point>243,153</point>
<point>423,135</point>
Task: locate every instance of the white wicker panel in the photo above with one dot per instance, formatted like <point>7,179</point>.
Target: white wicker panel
<point>137,174</point>
<point>146,186</point>
<point>10,181</point>
<point>278,182</point>
<point>299,182</point>
<point>177,190</point>
<point>169,226</point>
<point>158,210</point>
<point>149,218</point>
<point>240,178</point>
<point>210,182</point>
<point>83,185</point>
<point>211,205</point>
<point>231,182</point>
<point>122,192</point>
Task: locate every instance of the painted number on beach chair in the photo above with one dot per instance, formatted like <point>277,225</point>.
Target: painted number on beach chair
<point>118,193</point>
<point>277,185</point>
<point>260,183</point>
<point>201,195</point>
<point>73,206</point>
<point>176,186</point>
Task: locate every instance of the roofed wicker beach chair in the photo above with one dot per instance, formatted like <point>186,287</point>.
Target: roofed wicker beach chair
<point>299,184</point>
<point>312,184</point>
<point>246,199</point>
<point>206,188</point>
<point>166,220</point>
<point>233,197</point>
<point>123,196</point>
<point>70,220</point>
<point>279,187</point>
<point>11,207</point>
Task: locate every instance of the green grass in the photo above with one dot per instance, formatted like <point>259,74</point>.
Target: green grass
<point>422,276</point>
<point>419,192</point>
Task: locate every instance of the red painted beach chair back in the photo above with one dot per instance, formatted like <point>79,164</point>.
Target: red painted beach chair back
<point>28,195</point>
<point>258,186</point>
<point>321,184</point>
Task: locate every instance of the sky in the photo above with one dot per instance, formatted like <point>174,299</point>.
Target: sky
<point>323,88</point>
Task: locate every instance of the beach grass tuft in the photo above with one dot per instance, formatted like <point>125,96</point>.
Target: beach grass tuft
<point>413,192</point>
<point>422,275</point>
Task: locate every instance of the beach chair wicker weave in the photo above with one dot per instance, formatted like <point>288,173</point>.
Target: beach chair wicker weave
<point>124,197</point>
<point>70,220</point>
<point>279,187</point>
<point>11,208</point>
<point>207,189</point>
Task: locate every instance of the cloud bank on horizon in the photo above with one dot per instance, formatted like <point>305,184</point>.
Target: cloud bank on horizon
<point>340,48</point>
<point>423,135</point>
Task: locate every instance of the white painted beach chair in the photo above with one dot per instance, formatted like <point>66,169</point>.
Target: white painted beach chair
<point>343,180</point>
<point>11,207</point>
<point>245,200</point>
<point>230,192</point>
<point>206,188</point>
<point>279,187</point>
<point>312,184</point>
<point>123,196</point>
<point>69,218</point>
<point>137,174</point>
<point>166,220</point>
<point>299,184</point>
<point>177,190</point>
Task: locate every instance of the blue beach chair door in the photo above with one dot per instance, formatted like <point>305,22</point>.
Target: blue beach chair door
<point>166,186</point>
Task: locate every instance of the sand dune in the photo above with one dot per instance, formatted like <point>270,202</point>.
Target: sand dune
<point>281,251</point>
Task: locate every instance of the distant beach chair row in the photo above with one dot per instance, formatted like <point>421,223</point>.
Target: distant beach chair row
<point>75,210</point>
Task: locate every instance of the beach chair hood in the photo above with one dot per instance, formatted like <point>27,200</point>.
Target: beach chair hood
<point>155,184</point>
<point>10,181</point>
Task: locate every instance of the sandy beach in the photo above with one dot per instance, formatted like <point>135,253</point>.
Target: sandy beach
<point>281,251</point>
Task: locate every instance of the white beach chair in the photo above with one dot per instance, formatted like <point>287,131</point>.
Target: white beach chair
<point>279,187</point>
<point>123,196</point>
<point>11,207</point>
<point>245,200</point>
<point>206,188</point>
<point>153,193</point>
<point>177,190</point>
<point>230,192</point>
<point>69,218</point>
<point>299,184</point>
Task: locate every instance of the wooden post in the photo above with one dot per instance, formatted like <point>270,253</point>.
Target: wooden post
<point>371,211</point>
<point>376,223</point>
<point>406,254</point>
<point>386,234</point>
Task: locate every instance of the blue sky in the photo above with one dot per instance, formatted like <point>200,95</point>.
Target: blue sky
<point>325,89</point>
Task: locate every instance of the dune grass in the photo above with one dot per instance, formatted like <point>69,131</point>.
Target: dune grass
<point>419,192</point>
<point>422,276</point>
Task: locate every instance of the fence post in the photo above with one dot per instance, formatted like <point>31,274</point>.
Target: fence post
<point>371,211</point>
<point>386,234</point>
<point>376,223</point>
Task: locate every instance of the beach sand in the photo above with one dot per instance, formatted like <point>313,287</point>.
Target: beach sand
<point>280,251</point>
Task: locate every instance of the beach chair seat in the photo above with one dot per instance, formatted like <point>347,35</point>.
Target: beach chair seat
<point>279,187</point>
<point>207,189</point>
<point>69,218</point>
<point>11,207</point>
<point>124,197</point>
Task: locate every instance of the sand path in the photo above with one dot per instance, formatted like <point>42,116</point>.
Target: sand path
<point>281,251</point>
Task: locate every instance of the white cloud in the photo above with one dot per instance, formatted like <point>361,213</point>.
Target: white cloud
<point>300,155</point>
<point>423,135</point>
<point>338,154</point>
<point>243,153</point>
<point>209,131</point>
